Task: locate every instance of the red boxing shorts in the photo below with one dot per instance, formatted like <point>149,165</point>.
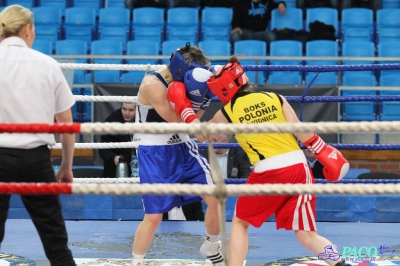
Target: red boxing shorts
<point>292,212</point>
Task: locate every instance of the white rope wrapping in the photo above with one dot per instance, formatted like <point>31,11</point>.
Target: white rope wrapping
<point>105,180</point>
<point>124,67</point>
<point>195,128</point>
<point>90,98</point>
<point>101,145</point>
<point>233,190</point>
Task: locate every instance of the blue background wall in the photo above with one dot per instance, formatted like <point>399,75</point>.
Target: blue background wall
<point>330,208</point>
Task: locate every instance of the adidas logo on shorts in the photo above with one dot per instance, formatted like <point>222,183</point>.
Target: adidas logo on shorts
<point>174,139</point>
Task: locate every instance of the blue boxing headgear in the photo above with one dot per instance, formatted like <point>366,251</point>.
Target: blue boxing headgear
<point>178,65</point>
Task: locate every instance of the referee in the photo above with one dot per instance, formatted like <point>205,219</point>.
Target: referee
<point>33,90</point>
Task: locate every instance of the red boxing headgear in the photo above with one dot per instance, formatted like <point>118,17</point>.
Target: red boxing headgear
<point>227,80</point>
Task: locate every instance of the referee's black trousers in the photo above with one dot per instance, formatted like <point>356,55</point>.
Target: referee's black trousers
<point>30,166</point>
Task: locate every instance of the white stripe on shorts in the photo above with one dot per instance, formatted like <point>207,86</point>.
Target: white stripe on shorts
<point>202,161</point>
<point>304,202</point>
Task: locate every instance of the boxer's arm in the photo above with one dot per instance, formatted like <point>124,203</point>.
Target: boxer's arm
<point>200,113</point>
<point>291,117</point>
<point>335,165</point>
<point>180,103</point>
<point>153,92</point>
<point>218,119</point>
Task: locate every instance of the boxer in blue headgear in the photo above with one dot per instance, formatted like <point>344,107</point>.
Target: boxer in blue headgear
<point>172,94</point>
<point>179,64</point>
<point>188,64</point>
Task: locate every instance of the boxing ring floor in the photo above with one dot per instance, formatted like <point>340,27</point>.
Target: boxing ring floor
<point>182,239</point>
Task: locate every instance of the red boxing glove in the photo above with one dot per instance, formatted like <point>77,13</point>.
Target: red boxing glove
<point>180,103</point>
<point>335,165</point>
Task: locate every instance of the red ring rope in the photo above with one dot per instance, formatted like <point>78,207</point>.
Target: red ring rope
<point>36,188</point>
<point>41,128</point>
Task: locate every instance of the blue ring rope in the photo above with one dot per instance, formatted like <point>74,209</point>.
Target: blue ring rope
<point>322,68</point>
<point>312,99</point>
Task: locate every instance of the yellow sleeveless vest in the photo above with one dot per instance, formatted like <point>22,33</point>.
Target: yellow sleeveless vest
<point>259,107</point>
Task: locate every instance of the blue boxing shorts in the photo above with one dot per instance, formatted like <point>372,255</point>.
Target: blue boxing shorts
<point>177,163</point>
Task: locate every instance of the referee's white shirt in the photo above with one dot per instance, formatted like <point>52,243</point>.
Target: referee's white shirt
<point>32,90</point>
